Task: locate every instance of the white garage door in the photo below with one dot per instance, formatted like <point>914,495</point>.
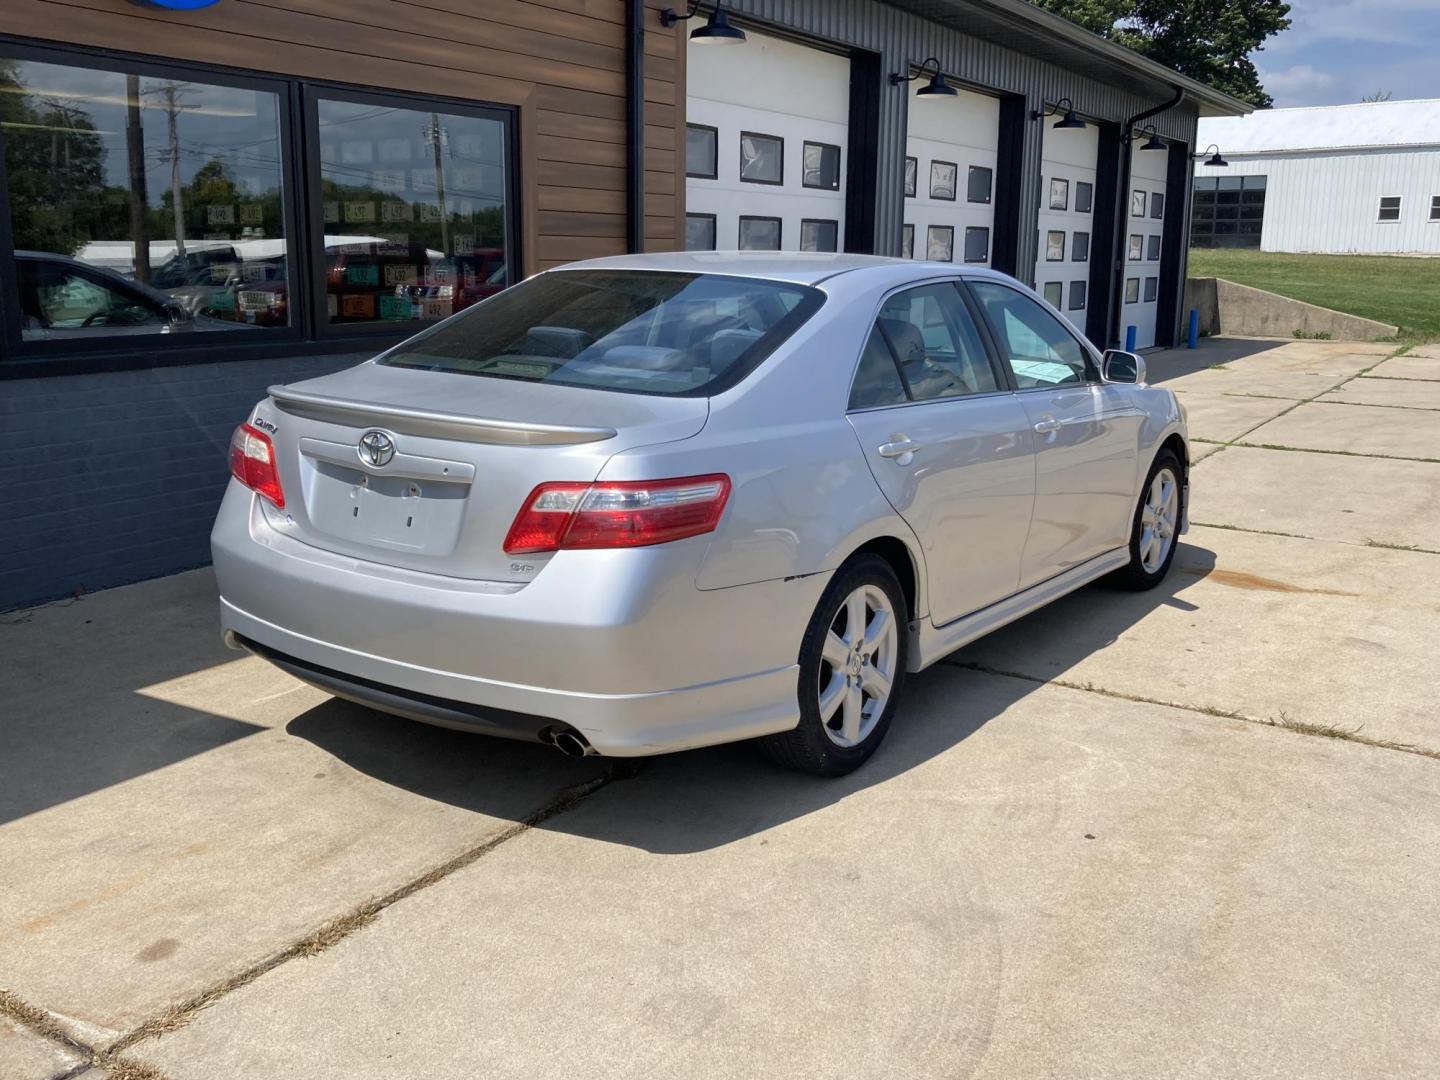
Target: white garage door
<point>765,146</point>
<point>1067,204</point>
<point>950,176</point>
<point>1144,229</point>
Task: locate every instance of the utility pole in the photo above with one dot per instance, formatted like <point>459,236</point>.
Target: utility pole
<point>436,134</point>
<point>139,202</point>
<point>170,92</point>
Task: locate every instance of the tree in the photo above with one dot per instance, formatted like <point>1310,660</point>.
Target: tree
<point>1379,95</point>
<point>1208,40</point>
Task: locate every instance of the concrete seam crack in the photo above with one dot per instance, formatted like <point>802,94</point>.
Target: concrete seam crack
<point>41,1023</point>
<point>1284,721</point>
<point>334,930</point>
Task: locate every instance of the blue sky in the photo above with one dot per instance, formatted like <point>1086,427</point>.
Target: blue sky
<point>1338,51</point>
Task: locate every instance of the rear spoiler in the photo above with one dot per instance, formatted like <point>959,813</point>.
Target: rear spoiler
<point>425,423</point>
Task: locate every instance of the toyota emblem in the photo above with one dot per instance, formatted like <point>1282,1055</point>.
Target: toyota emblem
<point>376,448</point>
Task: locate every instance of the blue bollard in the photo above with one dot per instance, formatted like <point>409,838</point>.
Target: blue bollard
<point>1129,339</point>
<point>1194,340</point>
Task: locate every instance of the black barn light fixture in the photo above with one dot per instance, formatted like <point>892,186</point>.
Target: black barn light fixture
<point>1152,143</point>
<point>1214,160</point>
<point>938,86</point>
<point>716,31</point>
<point>1069,122</point>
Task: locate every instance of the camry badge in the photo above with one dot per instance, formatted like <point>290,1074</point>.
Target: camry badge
<point>376,448</point>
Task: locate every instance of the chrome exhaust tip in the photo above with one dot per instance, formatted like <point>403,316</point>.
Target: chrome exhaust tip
<point>571,744</point>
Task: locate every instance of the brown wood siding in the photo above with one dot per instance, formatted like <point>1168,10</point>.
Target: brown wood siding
<point>560,63</point>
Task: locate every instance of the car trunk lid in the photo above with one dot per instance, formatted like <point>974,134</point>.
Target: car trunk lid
<point>427,471</point>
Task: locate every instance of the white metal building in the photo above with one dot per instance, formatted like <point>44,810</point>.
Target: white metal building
<point>1337,179</point>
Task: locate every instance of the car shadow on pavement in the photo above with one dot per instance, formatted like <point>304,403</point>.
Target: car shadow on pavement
<point>702,799</point>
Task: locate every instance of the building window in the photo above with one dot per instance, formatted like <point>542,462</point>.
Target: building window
<point>977,244</point>
<point>1059,194</point>
<point>1077,295</point>
<point>1136,250</point>
<point>414,208</point>
<point>1137,204</point>
<point>759,234</point>
<point>819,235</point>
<point>1152,247</point>
<point>1055,245</point>
<point>942,180</point>
<point>1132,290</point>
<point>699,232</point>
<point>1435,207</point>
<point>979,184</point>
<point>940,243</point>
<point>1054,293</point>
<point>1157,204</point>
<point>702,151</point>
<point>146,204</point>
<point>1227,211</point>
<point>822,166</point>
<point>1080,247</point>
<point>1084,195</point>
<point>1152,289</point>
<point>762,158</point>
<point>912,169</point>
<point>907,241</point>
<point>1389,208</point>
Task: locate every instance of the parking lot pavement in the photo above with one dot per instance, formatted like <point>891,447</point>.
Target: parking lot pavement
<point>1047,872</point>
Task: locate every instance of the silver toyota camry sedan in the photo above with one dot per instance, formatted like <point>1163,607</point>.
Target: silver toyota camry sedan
<point>648,503</point>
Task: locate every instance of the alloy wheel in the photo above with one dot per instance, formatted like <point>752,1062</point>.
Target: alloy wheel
<point>857,666</point>
<point>1158,520</point>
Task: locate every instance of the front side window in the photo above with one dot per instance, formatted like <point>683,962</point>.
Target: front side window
<point>633,330</point>
<point>414,211</point>
<point>1035,343</point>
<point>140,204</point>
<point>935,343</point>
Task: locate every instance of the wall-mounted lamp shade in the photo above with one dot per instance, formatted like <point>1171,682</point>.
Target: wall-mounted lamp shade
<point>1215,160</point>
<point>1154,143</point>
<point>1069,122</point>
<point>938,87</point>
<point>717,31</point>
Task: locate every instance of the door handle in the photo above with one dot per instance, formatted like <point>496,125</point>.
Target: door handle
<point>1049,424</point>
<point>900,449</point>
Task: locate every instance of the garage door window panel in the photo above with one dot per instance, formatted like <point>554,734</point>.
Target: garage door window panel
<point>819,235</point>
<point>701,151</point>
<point>942,180</point>
<point>762,158</point>
<point>1041,352</point>
<point>759,234</point>
<point>977,244</point>
<point>822,166</point>
<point>699,232</point>
<point>980,184</point>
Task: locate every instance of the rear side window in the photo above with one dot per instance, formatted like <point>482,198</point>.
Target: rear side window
<point>631,330</point>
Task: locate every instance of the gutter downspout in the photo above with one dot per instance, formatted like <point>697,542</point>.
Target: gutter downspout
<point>635,125</point>
<point>1122,213</point>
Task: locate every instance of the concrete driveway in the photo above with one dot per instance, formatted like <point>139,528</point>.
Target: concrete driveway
<point>1191,833</point>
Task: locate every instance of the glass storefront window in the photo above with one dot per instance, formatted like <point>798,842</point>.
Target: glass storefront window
<point>140,204</point>
<point>414,211</point>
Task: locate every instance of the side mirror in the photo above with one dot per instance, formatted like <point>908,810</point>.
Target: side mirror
<point>1119,366</point>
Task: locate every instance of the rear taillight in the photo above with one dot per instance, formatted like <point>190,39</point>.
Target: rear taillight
<point>623,514</point>
<point>252,462</point>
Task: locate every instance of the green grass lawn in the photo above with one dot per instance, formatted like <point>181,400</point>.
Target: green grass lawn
<point>1405,292</point>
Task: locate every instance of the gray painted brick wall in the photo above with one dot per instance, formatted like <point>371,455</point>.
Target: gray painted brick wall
<point>115,477</point>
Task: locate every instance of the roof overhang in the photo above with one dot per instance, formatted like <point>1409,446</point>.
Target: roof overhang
<point>1025,28</point>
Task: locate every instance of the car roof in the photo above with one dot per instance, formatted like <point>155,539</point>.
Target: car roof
<point>801,268</point>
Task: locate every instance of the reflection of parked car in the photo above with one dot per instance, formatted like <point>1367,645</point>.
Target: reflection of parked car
<point>61,297</point>
<point>656,502</point>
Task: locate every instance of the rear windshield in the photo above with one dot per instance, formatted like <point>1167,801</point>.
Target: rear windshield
<point>633,330</point>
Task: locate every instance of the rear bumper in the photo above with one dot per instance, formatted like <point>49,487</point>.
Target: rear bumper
<point>620,645</point>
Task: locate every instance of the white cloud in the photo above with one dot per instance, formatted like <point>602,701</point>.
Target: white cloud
<point>1383,22</point>
<point>1298,82</point>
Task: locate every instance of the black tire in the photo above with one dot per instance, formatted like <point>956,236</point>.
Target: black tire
<point>1135,577</point>
<point>807,747</point>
